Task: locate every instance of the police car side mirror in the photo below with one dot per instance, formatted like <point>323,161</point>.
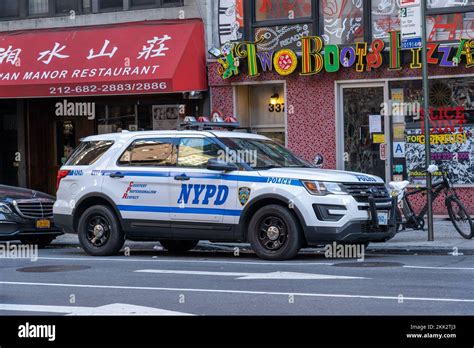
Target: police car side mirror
<point>220,165</point>
<point>318,161</point>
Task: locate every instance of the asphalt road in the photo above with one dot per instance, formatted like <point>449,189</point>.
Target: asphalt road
<point>65,281</point>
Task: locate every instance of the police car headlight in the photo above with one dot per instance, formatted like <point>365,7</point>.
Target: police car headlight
<point>5,209</point>
<point>323,188</point>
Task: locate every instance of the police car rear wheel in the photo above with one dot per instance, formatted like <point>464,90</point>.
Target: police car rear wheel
<point>274,233</point>
<point>99,231</point>
<point>179,246</point>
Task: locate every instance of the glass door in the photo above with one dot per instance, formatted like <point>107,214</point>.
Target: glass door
<point>363,129</point>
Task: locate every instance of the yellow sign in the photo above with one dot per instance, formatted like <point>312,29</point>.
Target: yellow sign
<point>379,138</point>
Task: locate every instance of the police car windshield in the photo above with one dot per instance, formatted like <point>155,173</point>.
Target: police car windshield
<point>264,154</point>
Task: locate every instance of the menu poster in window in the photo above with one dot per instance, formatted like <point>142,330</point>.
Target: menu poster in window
<point>398,98</point>
<point>454,149</point>
<point>279,37</point>
<point>165,117</point>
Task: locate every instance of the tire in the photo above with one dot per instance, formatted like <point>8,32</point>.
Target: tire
<point>460,217</point>
<point>178,246</point>
<point>274,233</point>
<point>99,231</point>
<point>41,242</point>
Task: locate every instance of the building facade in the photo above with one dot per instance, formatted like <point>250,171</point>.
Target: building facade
<point>337,77</point>
<point>73,68</point>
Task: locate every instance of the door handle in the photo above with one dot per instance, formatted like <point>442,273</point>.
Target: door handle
<point>182,177</point>
<point>117,175</point>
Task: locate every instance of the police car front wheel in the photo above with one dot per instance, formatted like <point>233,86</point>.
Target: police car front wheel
<point>99,231</point>
<point>274,233</point>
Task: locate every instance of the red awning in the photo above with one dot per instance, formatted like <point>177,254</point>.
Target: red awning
<point>132,58</point>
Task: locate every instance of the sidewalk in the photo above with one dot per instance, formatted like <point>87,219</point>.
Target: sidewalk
<point>446,240</point>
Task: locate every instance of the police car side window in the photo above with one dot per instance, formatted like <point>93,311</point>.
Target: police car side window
<point>150,152</point>
<point>195,152</point>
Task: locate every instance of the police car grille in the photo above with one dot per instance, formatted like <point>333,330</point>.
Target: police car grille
<point>362,192</point>
<point>35,209</point>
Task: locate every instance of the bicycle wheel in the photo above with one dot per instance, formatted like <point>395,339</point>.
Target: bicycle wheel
<point>460,217</point>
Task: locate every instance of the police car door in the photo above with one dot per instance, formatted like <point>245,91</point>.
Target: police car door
<point>199,194</point>
<point>138,181</point>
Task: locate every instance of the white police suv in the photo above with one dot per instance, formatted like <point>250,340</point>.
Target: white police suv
<point>179,187</point>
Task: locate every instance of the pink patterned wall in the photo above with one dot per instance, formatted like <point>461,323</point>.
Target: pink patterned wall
<point>311,127</point>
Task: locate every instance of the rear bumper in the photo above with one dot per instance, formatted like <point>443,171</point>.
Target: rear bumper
<point>66,222</point>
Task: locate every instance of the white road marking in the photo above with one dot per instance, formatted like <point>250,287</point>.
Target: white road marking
<point>111,309</point>
<point>449,268</point>
<point>128,259</point>
<point>238,275</point>
<point>241,292</point>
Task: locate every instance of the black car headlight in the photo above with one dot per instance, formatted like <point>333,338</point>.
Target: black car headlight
<point>319,188</point>
<point>5,208</point>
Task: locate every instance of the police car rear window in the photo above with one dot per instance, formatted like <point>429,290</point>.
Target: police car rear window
<point>88,152</point>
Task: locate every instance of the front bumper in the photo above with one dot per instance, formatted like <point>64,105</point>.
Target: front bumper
<point>357,230</point>
<point>13,227</point>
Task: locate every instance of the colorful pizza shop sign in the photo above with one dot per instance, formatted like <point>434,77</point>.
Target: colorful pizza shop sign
<point>316,57</point>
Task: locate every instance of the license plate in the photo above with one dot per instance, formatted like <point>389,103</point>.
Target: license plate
<point>43,224</point>
<point>383,218</point>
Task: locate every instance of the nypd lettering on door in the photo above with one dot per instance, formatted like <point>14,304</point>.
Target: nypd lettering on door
<point>203,194</point>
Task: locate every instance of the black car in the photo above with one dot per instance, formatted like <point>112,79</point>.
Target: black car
<point>27,215</point>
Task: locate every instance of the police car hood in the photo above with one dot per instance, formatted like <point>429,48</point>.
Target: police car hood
<point>321,175</point>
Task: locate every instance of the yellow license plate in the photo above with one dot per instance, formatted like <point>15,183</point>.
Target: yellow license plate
<point>43,224</point>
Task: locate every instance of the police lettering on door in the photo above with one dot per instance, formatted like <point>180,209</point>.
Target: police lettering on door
<point>203,194</point>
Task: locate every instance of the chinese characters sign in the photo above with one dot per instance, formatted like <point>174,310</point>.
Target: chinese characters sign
<point>134,58</point>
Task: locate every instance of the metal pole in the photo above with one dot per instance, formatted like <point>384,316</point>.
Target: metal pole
<point>426,120</point>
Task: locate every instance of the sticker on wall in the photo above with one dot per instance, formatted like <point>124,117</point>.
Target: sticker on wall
<point>383,152</point>
<point>379,138</point>
<point>399,131</point>
<point>398,169</point>
<point>398,178</point>
<point>244,195</point>
<point>399,150</point>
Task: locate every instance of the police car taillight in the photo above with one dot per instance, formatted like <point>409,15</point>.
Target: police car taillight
<point>61,175</point>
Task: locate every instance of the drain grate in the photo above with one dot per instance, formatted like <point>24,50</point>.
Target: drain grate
<point>368,264</point>
<point>52,268</point>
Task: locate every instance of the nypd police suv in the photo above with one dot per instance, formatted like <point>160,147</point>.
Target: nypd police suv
<point>179,187</point>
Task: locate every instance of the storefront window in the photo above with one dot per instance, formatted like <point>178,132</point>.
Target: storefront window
<point>343,21</point>
<point>448,3</point>
<point>65,6</point>
<point>111,4</point>
<point>37,7</point>
<point>277,9</point>
<point>9,9</point>
<point>282,36</point>
<point>385,18</point>
<point>452,123</point>
<point>450,27</point>
<point>261,109</point>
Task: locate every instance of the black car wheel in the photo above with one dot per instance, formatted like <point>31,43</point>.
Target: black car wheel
<point>274,233</point>
<point>41,241</point>
<point>99,231</point>
<point>178,246</point>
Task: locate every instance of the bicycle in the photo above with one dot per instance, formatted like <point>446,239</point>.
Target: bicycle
<point>407,218</point>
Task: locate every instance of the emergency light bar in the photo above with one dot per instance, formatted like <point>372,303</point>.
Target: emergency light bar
<point>195,125</point>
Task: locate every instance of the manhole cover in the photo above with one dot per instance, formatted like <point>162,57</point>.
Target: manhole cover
<point>369,264</point>
<point>55,268</point>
